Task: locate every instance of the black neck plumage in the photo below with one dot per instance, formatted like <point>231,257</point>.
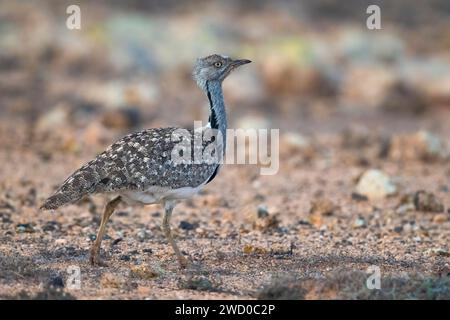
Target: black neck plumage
<point>212,117</point>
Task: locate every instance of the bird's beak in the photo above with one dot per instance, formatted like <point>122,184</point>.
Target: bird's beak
<point>240,62</point>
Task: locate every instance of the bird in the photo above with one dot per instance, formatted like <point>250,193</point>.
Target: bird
<point>140,168</point>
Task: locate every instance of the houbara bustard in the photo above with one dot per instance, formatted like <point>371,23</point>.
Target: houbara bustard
<point>140,169</point>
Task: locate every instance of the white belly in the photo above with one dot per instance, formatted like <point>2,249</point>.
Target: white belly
<point>159,194</point>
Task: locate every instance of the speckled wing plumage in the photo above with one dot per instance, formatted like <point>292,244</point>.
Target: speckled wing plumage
<point>138,161</point>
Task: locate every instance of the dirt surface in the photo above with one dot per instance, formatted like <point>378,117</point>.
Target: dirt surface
<point>311,231</point>
<point>233,245</point>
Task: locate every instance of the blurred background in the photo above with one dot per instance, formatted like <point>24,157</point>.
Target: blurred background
<point>348,101</point>
<point>317,68</point>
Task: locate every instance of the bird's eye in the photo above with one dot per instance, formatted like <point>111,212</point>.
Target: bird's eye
<point>218,64</point>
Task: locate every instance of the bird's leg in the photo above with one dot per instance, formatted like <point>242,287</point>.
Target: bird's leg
<point>109,209</point>
<point>168,207</point>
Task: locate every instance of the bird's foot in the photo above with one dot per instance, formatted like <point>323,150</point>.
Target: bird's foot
<point>94,258</point>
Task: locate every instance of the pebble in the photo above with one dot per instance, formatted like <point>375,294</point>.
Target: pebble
<point>322,206</point>
<point>60,241</point>
<point>142,235</point>
<point>143,272</point>
<point>125,257</point>
<point>359,223</point>
<point>428,202</point>
<point>439,252</point>
<point>184,225</point>
<point>5,217</point>
<point>440,218</point>
<point>116,241</point>
<point>359,197</point>
<point>51,226</point>
<point>304,223</point>
<point>24,228</point>
<point>56,282</point>
<point>200,231</point>
<point>250,249</point>
<point>403,208</point>
<point>375,184</point>
<point>262,211</point>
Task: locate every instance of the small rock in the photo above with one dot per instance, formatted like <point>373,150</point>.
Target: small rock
<point>440,218</point>
<point>56,282</point>
<point>24,228</point>
<point>143,272</point>
<point>5,217</point>
<point>184,225</point>
<point>359,223</point>
<point>262,211</point>
<point>200,231</point>
<point>304,223</point>
<point>322,206</point>
<point>142,235</point>
<point>316,220</point>
<point>147,250</point>
<point>125,257</point>
<point>439,252</point>
<point>261,218</point>
<point>426,201</point>
<point>51,226</point>
<point>398,229</point>
<point>407,227</point>
<point>250,249</point>
<point>374,184</point>
<point>359,197</point>
<point>403,208</point>
<point>116,241</point>
<point>60,242</point>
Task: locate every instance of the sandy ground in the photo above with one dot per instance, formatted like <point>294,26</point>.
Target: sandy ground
<point>247,235</point>
<point>346,100</point>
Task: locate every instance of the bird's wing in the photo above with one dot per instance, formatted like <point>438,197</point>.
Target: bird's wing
<point>135,162</point>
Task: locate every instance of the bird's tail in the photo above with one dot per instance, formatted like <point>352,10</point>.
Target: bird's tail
<point>79,184</point>
<point>57,200</point>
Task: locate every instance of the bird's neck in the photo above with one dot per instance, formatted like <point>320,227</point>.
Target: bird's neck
<point>218,116</point>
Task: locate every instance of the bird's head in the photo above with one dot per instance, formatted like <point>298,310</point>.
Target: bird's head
<point>215,68</point>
